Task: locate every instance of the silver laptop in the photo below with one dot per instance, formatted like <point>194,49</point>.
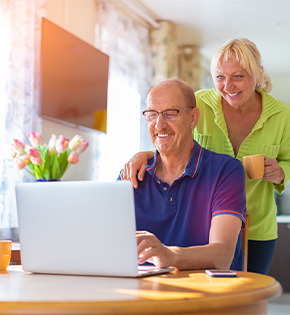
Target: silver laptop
<point>79,227</point>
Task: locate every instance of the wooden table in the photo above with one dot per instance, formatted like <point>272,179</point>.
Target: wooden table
<point>181,292</point>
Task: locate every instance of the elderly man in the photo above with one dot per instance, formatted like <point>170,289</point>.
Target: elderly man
<point>190,206</point>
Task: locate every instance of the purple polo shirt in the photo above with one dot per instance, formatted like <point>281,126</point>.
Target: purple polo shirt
<point>180,215</point>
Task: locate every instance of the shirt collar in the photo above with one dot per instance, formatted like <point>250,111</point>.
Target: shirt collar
<point>193,166</point>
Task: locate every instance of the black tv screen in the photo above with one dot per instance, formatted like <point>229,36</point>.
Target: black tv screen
<point>74,79</point>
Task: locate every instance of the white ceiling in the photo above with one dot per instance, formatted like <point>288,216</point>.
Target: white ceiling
<point>210,23</point>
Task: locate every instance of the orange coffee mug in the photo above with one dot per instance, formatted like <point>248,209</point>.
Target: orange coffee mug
<point>5,254</point>
<point>254,165</point>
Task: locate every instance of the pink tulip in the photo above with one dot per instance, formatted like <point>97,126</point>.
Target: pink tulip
<point>52,141</point>
<point>38,153</point>
<point>61,144</point>
<point>27,148</point>
<point>75,143</point>
<point>35,161</point>
<point>73,158</point>
<point>51,150</point>
<point>22,162</point>
<point>34,152</point>
<point>35,138</point>
<point>18,146</point>
<point>82,147</point>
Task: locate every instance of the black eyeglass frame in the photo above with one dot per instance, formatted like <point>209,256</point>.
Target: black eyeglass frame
<point>164,111</point>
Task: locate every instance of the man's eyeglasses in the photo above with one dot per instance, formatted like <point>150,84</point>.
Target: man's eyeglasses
<point>168,114</point>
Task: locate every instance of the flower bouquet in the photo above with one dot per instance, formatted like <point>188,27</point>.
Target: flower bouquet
<point>47,162</point>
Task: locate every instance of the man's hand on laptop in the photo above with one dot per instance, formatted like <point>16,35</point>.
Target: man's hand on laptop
<point>150,249</point>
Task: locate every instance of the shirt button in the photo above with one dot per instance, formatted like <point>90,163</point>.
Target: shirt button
<point>170,198</point>
<point>158,182</point>
<point>165,188</point>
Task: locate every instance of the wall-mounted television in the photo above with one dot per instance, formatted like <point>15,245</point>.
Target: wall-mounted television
<point>74,79</point>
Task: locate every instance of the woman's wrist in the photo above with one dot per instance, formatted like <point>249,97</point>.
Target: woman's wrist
<point>280,178</point>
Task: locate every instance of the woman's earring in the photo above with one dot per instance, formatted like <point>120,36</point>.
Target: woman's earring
<point>258,86</point>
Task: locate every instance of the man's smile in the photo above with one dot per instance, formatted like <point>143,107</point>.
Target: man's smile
<point>162,135</point>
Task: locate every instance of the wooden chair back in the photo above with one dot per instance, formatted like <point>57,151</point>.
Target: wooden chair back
<point>245,243</point>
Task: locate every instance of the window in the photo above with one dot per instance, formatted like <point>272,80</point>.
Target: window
<point>127,44</point>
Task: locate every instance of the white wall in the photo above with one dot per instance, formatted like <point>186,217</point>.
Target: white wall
<point>281,86</point>
<point>77,16</point>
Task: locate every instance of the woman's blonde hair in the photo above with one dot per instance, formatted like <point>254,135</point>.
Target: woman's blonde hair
<point>248,56</point>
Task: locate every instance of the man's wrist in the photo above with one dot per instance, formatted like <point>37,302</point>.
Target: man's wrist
<point>175,255</point>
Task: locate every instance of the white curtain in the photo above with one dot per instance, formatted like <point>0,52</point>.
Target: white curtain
<point>127,43</point>
<point>19,63</point>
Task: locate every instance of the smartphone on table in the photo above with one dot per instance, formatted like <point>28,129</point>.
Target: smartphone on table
<point>220,273</point>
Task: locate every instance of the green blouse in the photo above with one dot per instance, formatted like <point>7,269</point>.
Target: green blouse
<point>270,136</point>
